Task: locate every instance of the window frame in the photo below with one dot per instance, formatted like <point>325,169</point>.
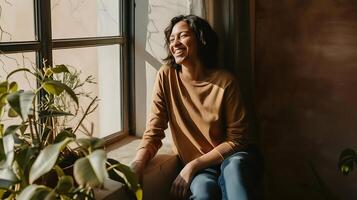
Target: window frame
<point>44,46</point>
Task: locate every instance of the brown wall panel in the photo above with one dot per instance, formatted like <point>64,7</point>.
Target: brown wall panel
<point>305,91</point>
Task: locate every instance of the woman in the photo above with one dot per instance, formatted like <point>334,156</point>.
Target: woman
<point>207,118</point>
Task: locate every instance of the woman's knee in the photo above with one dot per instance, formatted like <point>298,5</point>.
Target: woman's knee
<point>235,161</point>
<point>204,188</point>
<point>243,168</point>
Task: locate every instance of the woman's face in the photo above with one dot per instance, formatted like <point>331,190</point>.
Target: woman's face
<point>183,44</point>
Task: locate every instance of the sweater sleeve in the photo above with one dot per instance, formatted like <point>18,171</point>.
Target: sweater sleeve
<point>236,124</point>
<point>158,118</point>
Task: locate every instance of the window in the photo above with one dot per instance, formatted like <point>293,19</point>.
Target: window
<point>90,36</point>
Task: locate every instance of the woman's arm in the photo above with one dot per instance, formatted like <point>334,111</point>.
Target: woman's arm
<point>154,133</point>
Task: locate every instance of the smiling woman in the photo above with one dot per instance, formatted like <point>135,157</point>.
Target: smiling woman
<point>205,45</point>
<point>202,104</point>
<point>182,44</point>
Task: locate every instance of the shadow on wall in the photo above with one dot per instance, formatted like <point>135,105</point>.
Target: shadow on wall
<point>152,17</point>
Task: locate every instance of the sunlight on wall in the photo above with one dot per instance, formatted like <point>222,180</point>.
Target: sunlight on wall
<point>159,14</point>
<point>152,17</point>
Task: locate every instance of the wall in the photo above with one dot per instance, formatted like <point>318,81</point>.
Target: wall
<point>305,78</point>
<point>151,18</point>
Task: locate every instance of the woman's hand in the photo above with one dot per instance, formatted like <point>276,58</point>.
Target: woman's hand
<point>181,185</point>
<point>138,167</point>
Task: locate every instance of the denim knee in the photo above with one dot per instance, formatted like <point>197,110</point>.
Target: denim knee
<point>234,161</point>
<point>240,175</point>
<point>204,186</point>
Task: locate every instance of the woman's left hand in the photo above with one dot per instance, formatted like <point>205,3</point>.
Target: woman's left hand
<point>181,185</point>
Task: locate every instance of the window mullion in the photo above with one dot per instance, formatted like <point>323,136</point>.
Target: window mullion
<point>87,42</point>
<point>13,47</point>
<point>44,37</point>
<point>44,31</point>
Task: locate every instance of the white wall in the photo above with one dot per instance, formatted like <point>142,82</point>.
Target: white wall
<point>151,18</point>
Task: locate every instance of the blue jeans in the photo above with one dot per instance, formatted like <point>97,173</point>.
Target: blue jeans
<point>238,177</point>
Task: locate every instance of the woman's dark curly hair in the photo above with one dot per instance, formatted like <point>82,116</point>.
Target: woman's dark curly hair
<point>206,37</point>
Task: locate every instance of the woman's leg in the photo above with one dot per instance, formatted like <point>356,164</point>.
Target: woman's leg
<point>204,185</point>
<point>240,175</point>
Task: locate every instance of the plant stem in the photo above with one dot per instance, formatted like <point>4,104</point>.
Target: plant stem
<point>31,129</point>
<point>34,123</point>
<point>53,129</point>
<point>85,114</point>
<point>113,166</point>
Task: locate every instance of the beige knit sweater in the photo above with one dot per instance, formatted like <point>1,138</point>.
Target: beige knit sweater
<point>203,115</point>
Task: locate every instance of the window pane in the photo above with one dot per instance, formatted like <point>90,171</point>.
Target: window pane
<point>74,19</point>
<point>10,62</point>
<point>17,20</point>
<point>104,64</point>
<point>25,81</point>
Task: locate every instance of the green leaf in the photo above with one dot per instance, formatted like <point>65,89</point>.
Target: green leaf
<point>65,185</point>
<point>59,171</point>
<point>130,176</point>
<point>53,87</point>
<point>348,158</point>
<point>64,197</point>
<point>2,192</point>
<point>13,87</point>
<point>5,184</point>
<point>2,152</point>
<point>21,102</point>
<point>6,151</point>
<point>114,175</point>
<point>60,69</point>
<point>56,70</point>
<point>2,105</point>
<point>12,113</point>
<point>12,129</point>
<point>48,71</point>
<point>1,130</point>
<point>46,159</point>
<point>53,113</point>
<point>56,88</point>
<point>17,70</point>
<point>36,192</point>
<point>24,157</point>
<point>65,133</point>
<point>139,194</point>
<point>7,195</point>
<point>93,143</point>
<point>7,178</point>
<point>3,87</point>
<point>90,170</point>
<point>3,98</point>
<point>346,169</point>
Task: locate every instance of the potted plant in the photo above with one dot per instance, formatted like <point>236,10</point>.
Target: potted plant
<point>347,160</point>
<point>40,157</point>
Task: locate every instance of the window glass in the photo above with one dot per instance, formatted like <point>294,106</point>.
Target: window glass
<point>104,64</point>
<point>94,18</point>
<point>10,62</point>
<point>25,81</point>
<point>17,22</point>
